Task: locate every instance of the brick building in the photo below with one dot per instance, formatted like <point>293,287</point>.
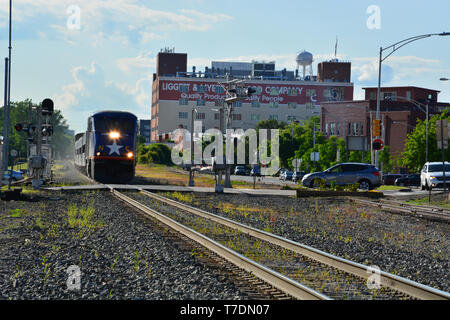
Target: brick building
<point>280,95</point>
<point>352,120</point>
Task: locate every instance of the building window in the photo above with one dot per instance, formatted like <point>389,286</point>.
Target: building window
<point>355,129</point>
<point>256,104</point>
<point>292,105</point>
<point>201,102</point>
<point>183,102</point>
<point>361,129</point>
<point>273,117</point>
<point>201,116</point>
<point>273,105</point>
<point>237,117</point>
<point>237,104</point>
<point>218,103</point>
<point>310,106</point>
<point>326,129</point>
<point>183,115</point>
<point>338,129</point>
<point>292,118</point>
<point>408,95</point>
<point>389,96</point>
<point>373,96</point>
<point>255,117</point>
<point>216,116</point>
<point>332,129</point>
<point>349,129</point>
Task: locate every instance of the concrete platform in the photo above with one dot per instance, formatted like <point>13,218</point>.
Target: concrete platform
<point>165,188</point>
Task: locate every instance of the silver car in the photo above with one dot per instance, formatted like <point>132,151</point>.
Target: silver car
<point>367,175</point>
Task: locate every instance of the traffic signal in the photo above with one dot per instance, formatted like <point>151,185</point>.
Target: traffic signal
<point>18,127</point>
<point>47,107</point>
<point>376,128</point>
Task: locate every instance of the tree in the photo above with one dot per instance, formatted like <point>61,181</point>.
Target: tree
<point>62,143</point>
<point>414,156</point>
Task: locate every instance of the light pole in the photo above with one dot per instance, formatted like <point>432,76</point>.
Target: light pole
<point>191,173</point>
<point>393,48</point>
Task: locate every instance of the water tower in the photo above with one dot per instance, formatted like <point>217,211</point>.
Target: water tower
<point>305,59</point>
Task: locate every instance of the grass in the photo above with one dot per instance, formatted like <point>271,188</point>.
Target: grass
<point>424,202</point>
<point>390,188</point>
<point>165,175</point>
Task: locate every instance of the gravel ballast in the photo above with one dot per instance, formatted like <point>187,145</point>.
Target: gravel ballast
<point>119,253</point>
<point>407,246</point>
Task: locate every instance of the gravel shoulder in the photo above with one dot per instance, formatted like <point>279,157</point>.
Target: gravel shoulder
<point>119,253</point>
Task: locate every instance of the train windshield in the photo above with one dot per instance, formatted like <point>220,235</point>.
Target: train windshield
<point>108,124</point>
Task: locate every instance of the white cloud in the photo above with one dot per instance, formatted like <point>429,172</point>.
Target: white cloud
<point>126,21</point>
<point>91,92</point>
<point>142,61</point>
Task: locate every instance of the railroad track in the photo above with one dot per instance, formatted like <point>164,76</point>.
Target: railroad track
<point>428,212</point>
<point>317,262</point>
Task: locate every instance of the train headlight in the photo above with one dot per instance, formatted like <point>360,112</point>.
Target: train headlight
<point>130,155</point>
<point>114,135</point>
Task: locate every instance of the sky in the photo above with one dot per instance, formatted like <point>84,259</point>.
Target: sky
<point>90,55</point>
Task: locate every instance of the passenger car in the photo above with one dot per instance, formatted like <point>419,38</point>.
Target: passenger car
<point>298,176</point>
<point>409,180</point>
<point>286,176</point>
<point>389,179</point>
<point>367,175</point>
<point>240,171</point>
<point>432,175</point>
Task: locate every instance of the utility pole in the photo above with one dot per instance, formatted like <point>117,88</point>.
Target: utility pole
<point>5,120</point>
<point>191,173</point>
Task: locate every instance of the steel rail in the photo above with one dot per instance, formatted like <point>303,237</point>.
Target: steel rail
<point>394,282</point>
<point>270,276</point>
<point>429,213</point>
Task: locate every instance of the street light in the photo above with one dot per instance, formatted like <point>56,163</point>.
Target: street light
<point>393,48</point>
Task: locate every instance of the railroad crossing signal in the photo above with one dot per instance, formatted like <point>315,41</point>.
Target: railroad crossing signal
<point>376,128</point>
<point>18,127</point>
<point>378,144</point>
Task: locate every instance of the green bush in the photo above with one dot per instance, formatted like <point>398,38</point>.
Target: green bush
<point>155,153</point>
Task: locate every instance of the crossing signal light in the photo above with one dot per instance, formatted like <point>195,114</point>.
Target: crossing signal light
<point>376,128</point>
<point>18,127</point>
<point>47,107</point>
<point>249,91</point>
<point>47,131</point>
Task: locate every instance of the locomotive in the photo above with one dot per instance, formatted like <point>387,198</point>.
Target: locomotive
<point>106,152</point>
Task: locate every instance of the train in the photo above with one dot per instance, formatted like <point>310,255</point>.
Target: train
<point>106,152</point>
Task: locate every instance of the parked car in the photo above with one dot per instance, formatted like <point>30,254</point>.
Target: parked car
<point>409,180</point>
<point>286,176</point>
<point>367,175</point>
<point>298,176</point>
<point>255,172</point>
<point>240,171</point>
<point>16,175</point>
<point>389,179</point>
<point>432,175</point>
